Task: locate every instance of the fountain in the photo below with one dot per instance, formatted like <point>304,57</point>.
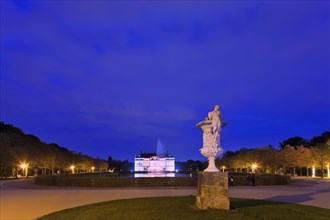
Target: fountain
<point>160,150</point>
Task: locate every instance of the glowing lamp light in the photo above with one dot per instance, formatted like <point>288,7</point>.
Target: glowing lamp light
<point>72,168</point>
<point>254,166</point>
<point>93,168</point>
<point>24,167</point>
<point>328,171</point>
<point>313,171</point>
<point>223,168</point>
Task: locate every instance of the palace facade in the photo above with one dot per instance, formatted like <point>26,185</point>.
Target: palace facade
<point>150,162</point>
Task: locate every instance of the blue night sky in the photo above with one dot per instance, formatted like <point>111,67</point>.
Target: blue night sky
<point>110,78</point>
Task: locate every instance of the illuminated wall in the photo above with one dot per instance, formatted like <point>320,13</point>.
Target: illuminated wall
<point>154,164</point>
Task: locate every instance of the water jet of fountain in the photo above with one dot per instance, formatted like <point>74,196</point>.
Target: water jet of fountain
<point>160,150</point>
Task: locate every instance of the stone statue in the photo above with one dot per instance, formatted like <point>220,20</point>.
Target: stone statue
<point>211,127</point>
<point>212,185</point>
<point>215,117</point>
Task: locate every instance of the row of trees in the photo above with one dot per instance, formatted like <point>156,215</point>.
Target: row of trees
<point>120,165</point>
<point>18,148</point>
<point>294,153</point>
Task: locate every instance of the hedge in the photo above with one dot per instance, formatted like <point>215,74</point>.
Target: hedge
<point>115,181</point>
<point>103,181</point>
<point>240,179</point>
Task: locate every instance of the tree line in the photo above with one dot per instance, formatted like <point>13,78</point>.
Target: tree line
<point>18,148</point>
<point>295,155</point>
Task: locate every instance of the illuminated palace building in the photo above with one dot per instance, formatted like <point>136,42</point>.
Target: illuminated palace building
<point>154,162</point>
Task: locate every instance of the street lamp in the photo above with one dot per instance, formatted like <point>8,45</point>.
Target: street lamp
<point>313,171</point>
<point>93,168</point>
<point>72,168</point>
<point>24,166</point>
<point>223,168</point>
<point>254,166</point>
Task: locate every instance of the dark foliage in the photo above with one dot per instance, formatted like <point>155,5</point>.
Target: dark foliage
<point>42,158</point>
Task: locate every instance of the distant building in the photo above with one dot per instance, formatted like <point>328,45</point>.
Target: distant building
<point>150,162</point>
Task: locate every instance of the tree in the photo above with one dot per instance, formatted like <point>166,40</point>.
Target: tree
<point>267,158</point>
<point>294,142</point>
<point>17,147</point>
<point>193,165</point>
<point>320,155</point>
<point>10,129</point>
<point>242,160</point>
<point>302,158</point>
<point>226,160</point>
<point>8,155</point>
<point>101,165</point>
<point>322,139</point>
<point>289,158</point>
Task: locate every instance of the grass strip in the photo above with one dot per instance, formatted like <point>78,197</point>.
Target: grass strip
<point>183,208</point>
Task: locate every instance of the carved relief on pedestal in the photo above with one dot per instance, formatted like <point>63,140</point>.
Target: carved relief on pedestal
<point>211,146</point>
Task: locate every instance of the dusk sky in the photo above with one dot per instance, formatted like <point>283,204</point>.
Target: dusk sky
<point>110,78</point>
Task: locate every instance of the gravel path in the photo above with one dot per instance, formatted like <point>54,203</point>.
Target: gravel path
<point>21,199</point>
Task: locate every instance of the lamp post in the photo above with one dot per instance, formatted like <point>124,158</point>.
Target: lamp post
<point>93,168</point>
<point>313,171</point>
<point>223,168</point>
<point>72,169</point>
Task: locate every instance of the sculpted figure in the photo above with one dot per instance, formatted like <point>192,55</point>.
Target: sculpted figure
<point>215,117</point>
<point>211,127</point>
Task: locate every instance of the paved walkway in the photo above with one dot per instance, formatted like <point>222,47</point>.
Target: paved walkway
<point>21,199</point>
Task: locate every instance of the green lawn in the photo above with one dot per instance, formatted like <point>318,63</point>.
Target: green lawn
<point>169,208</point>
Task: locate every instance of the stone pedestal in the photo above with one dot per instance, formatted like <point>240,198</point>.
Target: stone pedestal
<point>212,190</point>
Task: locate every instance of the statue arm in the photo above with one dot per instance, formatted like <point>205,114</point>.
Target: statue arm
<point>209,115</point>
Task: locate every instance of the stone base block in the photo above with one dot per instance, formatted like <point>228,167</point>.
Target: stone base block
<point>212,190</point>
